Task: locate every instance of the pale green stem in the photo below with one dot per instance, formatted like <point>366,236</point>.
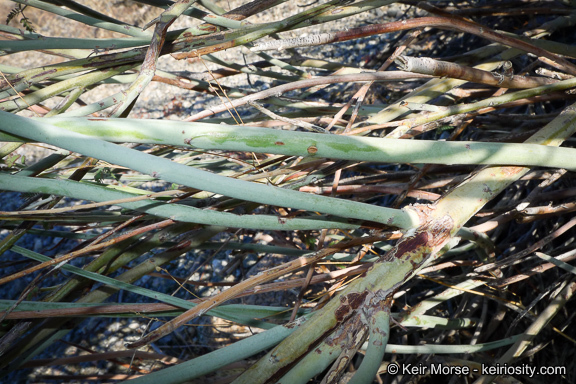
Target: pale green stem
<point>8,148</point>
<point>181,174</point>
<point>212,7</point>
<point>490,102</point>
<point>29,77</point>
<point>213,361</point>
<point>244,69</point>
<point>199,14</point>
<point>20,103</point>
<point>433,89</point>
<point>67,102</point>
<point>281,64</point>
<point>470,196</point>
<point>447,349</point>
<point>294,143</point>
<point>314,363</point>
<point>125,29</point>
<point>183,213</point>
<point>422,307</point>
<point>247,35</point>
<point>378,339</point>
<point>54,43</point>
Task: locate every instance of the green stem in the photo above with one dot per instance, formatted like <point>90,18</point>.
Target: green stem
<point>491,102</point>
<point>20,103</point>
<point>123,28</point>
<point>178,212</point>
<point>181,174</point>
<point>294,143</point>
<point>378,339</point>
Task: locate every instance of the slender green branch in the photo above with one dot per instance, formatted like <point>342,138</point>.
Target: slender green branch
<point>178,212</point>
<point>123,28</point>
<point>19,103</point>
<point>219,358</point>
<point>24,79</point>
<point>489,102</point>
<point>122,285</point>
<point>72,43</point>
<point>279,90</point>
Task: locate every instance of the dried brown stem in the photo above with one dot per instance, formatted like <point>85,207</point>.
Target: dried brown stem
<point>20,214</point>
<point>569,256</point>
<point>451,23</point>
<point>72,255</point>
<point>414,131</point>
<point>539,244</point>
<point>530,214</point>
<point>378,189</point>
<point>429,66</point>
<point>113,355</point>
<point>233,292</point>
<point>279,90</point>
<point>151,308</point>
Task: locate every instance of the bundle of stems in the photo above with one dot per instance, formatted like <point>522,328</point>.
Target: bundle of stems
<point>411,206</point>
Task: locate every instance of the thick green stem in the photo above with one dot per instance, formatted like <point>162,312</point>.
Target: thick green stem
<point>294,143</point>
<point>181,174</point>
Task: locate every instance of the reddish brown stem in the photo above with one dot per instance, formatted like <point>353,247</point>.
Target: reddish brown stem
<point>569,256</point>
<point>279,90</point>
<point>452,23</point>
<point>378,189</point>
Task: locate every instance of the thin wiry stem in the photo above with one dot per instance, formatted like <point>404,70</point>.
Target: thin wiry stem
<point>279,90</point>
